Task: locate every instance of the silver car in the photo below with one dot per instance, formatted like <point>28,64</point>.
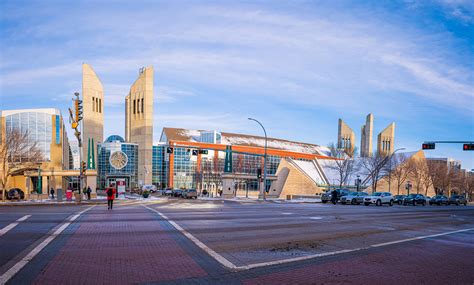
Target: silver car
<point>354,198</point>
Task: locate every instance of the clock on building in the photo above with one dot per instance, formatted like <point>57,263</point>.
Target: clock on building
<point>118,159</point>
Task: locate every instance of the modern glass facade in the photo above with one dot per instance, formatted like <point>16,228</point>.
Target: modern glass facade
<point>38,126</point>
<point>109,168</point>
<point>160,166</point>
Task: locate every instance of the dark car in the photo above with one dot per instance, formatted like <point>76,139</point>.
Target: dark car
<point>189,194</point>
<point>328,195</point>
<point>439,200</point>
<point>415,199</point>
<point>177,193</point>
<point>398,199</point>
<point>457,200</point>
<point>15,194</point>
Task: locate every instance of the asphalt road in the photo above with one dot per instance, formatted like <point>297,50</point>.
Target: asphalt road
<point>248,242</point>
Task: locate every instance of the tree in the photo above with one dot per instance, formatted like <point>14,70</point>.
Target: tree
<point>344,165</point>
<point>401,170</point>
<point>418,169</point>
<point>18,153</point>
<point>374,167</point>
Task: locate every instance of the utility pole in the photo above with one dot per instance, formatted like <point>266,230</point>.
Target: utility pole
<point>76,118</point>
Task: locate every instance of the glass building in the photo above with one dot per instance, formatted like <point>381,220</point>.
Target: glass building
<point>117,160</point>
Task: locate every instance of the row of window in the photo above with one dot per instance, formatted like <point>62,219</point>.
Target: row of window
<point>138,106</point>
<point>96,105</point>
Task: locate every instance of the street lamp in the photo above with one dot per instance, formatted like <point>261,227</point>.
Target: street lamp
<point>390,173</point>
<point>264,158</point>
<point>358,181</point>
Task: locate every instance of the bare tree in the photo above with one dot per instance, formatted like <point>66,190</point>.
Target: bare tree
<point>18,153</point>
<point>344,165</point>
<point>421,175</point>
<point>464,181</point>
<point>401,170</point>
<point>374,167</point>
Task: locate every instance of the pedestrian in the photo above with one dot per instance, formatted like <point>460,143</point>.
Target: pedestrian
<point>52,193</point>
<point>334,196</point>
<point>89,193</point>
<point>110,197</point>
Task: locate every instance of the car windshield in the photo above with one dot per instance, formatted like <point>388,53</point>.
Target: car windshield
<point>362,194</point>
<point>377,194</point>
<point>353,194</point>
<point>411,196</point>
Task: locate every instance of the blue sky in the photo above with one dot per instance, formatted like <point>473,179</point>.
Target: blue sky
<point>297,66</point>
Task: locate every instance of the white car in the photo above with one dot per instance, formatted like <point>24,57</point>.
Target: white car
<point>149,188</point>
<point>379,198</point>
<point>354,198</point>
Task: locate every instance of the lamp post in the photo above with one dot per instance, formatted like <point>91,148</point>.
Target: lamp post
<point>390,173</point>
<point>358,182</point>
<point>264,158</point>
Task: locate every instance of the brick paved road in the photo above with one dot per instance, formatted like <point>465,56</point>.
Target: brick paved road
<point>133,244</point>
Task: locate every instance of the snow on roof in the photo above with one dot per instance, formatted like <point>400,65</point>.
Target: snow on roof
<point>309,168</point>
<point>247,140</point>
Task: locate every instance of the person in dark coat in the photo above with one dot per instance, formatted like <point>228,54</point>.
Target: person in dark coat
<point>334,196</point>
<point>52,193</point>
<point>89,190</point>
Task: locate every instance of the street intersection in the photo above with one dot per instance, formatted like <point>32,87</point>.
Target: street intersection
<point>237,242</point>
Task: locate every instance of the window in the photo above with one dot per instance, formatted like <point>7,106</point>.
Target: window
<point>143,109</point>
<point>93,104</point>
<point>134,106</point>
<point>100,105</point>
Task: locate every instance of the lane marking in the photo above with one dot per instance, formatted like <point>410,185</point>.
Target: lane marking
<point>12,225</point>
<point>286,213</point>
<point>316,218</point>
<point>226,263</point>
<point>27,258</point>
<point>222,260</point>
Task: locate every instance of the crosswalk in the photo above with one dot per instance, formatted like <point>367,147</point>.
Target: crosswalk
<point>14,224</point>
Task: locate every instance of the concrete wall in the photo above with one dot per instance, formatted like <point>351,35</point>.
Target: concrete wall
<point>386,140</point>
<point>297,183</point>
<point>345,137</point>
<point>366,136</point>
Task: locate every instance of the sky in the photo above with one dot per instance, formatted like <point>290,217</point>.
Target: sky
<point>297,66</point>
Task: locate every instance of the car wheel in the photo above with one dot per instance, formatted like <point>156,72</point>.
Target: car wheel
<point>367,204</point>
<point>353,202</point>
<point>439,203</point>
<point>465,203</point>
<point>424,203</point>
<point>324,202</point>
<point>400,202</point>
<point>457,204</point>
<point>378,203</point>
<point>343,203</point>
<point>391,203</point>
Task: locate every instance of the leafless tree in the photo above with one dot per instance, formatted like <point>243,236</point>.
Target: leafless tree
<point>344,165</point>
<point>464,181</point>
<point>401,169</point>
<point>374,167</point>
<point>18,153</point>
<point>418,169</point>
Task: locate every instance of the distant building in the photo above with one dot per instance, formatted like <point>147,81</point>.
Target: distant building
<point>345,137</point>
<point>366,136</point>
<point>450,163</point>
<point>386,140</point>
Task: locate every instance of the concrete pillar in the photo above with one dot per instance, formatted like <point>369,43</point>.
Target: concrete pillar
<point>44,186</point>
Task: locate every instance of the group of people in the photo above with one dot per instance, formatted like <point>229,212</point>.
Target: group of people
<point>87,192</point>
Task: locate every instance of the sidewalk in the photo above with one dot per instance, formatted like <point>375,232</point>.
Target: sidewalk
<point>48,202</point>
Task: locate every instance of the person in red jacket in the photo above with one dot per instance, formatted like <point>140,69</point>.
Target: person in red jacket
<point>110,197</point>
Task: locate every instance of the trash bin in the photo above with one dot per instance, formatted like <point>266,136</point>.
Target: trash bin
<point>59,194</point>
<point>68,195</point>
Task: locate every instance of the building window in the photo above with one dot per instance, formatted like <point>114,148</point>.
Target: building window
<point>100,105</point>
<point>134,106</point>
<point>143,109</point>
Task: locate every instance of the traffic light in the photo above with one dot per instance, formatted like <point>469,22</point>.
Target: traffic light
<point>259,173</point>
<point>83,167</point>
<point>428,146</point>
<point>78,108</point>
<point>203,151</point>
<point>169,150</point>
<point>468,146</point>
<point>195,152</point>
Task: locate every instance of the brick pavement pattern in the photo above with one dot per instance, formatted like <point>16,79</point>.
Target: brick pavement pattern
<point>122,246</point>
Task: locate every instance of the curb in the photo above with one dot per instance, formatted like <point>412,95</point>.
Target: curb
<point>13,204</point>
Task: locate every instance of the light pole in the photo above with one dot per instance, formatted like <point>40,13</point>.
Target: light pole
<point>264,159</point>
<point>390,170</point>
<point>358,182</point>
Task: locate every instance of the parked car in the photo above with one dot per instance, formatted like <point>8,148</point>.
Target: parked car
<point>149,188</point>
<point>379,198</point>
<point>177,193</point>
<point>15,194</point>
<point>457,200</point>
<point>415,199</point>
<point>355,198</point>
<point>398,199</point>
<point>439,200</point>
<point>326,197</point>
<point>190,194</point>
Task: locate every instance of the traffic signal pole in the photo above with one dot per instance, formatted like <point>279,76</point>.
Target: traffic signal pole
<point>76,123</point>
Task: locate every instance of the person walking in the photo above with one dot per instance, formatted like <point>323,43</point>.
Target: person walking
<point>89,190</point>
<point>334,196</point>
<point>110,197</point>
<point>52,193</point>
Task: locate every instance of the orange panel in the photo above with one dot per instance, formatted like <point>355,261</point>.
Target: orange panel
<point>171,170</point>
